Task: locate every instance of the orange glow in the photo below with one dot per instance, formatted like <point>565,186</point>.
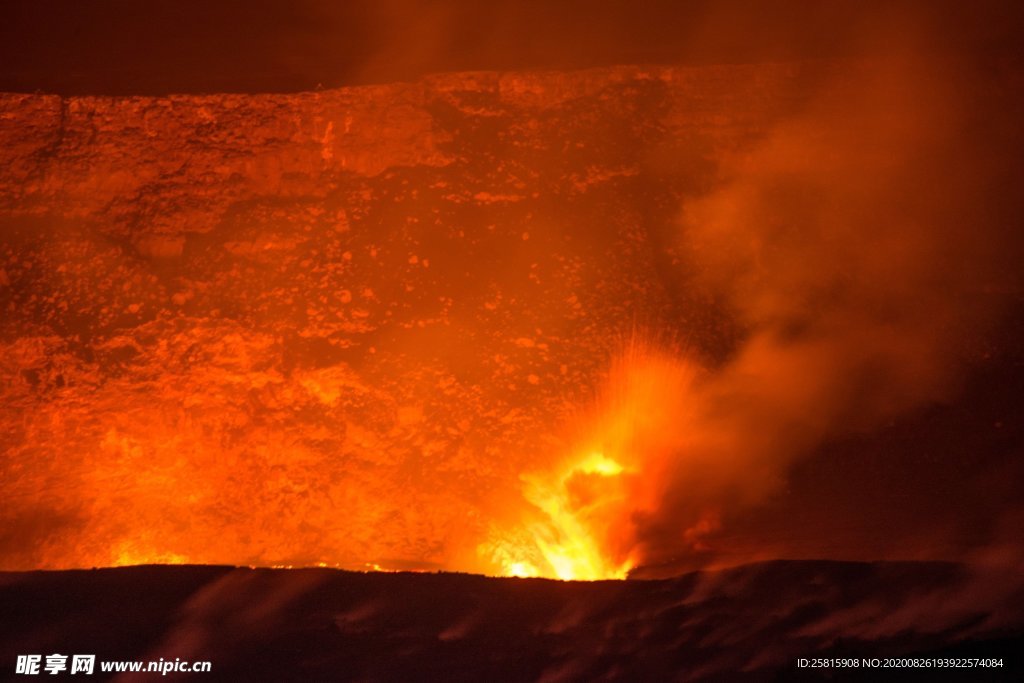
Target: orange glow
<point>576,504</point>
<point>566,543</point>
<point>126,555</point>
<point>382,327</point>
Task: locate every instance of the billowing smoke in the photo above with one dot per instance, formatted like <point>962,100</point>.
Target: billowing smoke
<point>862,248</point>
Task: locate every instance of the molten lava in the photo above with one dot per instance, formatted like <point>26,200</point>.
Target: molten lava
<point>579,522</point>
<point>574,504</point>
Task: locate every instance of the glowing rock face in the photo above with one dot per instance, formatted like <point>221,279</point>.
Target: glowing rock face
<point>339,327</point>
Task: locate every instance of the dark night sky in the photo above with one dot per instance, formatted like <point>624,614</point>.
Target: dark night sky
<point>164,46</point>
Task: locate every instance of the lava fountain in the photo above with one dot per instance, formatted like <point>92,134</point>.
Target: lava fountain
<point>580,516</point>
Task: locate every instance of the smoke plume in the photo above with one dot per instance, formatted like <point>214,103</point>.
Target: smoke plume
<point>863,248</point>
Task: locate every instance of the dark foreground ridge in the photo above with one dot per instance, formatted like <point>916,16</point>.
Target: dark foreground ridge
<point>749,623</point>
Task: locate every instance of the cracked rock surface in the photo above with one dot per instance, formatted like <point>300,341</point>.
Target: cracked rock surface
<point>332,326</point>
